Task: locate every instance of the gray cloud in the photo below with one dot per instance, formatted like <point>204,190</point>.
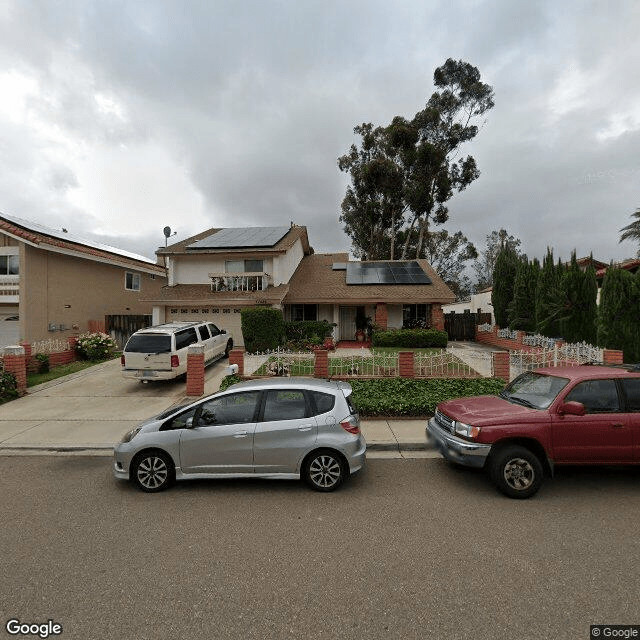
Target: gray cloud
<point>254,102</point>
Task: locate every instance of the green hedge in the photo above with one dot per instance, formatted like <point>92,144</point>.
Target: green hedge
<point>262,328</point>
<point>227,381</point>
<point>413,338</point>
<point>406,397</point>
<point>305,330</point>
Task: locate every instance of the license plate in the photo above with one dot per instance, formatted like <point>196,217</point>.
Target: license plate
<point>148,374</point>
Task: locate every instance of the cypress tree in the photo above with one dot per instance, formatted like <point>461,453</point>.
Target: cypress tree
<point>616,325</point>
<point>550,298</point>
<point>504,275</point>
<point>522,309</point>
<point>589,306</point>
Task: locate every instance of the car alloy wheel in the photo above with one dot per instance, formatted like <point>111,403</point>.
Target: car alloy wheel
<point>519,474</point>
<point>516,471</point>
<point>325,471</point>
<point>152,472</point>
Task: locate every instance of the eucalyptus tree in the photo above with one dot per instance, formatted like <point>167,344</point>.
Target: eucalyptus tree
<point>403,175</point>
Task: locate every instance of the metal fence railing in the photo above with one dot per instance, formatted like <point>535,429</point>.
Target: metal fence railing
<point>52,345</point>
<point>279,362</point>
<point>364,365</point>
<point>567,355</point>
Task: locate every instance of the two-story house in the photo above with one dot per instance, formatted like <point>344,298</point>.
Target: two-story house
<point>55,285</point>
<point>217,273</point>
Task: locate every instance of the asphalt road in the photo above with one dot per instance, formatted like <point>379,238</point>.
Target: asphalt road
<point>407,549</point>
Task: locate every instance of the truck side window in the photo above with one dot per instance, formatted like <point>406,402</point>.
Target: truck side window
<point>597,396</point>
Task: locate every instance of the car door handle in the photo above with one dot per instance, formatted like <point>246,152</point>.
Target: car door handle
<point>618,425</point>
<point>240,434</point>
<point>305,427</point>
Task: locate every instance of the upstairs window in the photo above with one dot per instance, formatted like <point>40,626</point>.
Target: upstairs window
<point>9,265</point>
<point>132,281</point>
<point>243,266</point>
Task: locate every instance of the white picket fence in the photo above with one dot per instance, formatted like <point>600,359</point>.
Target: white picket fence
<point>567,355</point>
<point>51,345</point>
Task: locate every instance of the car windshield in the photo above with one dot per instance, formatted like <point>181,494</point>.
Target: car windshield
<point>148,343</point>
<point>534,390</point>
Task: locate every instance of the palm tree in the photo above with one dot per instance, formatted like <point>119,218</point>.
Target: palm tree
<point>632,230</point>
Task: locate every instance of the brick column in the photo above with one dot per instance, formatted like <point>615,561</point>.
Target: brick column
<point>501,365</point>
<point>15,363</point>
<point>405,364</point>
<point>437,317</point>
<point>236,356</point>
<point>611,356</point>
<point>381,315</point>
<point>195,370</point>
<point>321,368</point>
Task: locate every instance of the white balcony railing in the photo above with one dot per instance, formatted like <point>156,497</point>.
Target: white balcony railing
<point>9,286</point>
<point>248,281</point>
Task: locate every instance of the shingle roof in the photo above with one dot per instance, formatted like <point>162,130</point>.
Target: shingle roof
<point>295,232</point>
<point>315,281</point>
<point>41,235</point>
<point>202,295</point>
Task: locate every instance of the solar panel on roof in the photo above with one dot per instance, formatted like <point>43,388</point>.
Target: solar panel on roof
<point>241,238</point>
<point>405,272</point>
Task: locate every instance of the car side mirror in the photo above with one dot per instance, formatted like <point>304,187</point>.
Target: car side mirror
<point>223,331</point>
<point>572,408</point>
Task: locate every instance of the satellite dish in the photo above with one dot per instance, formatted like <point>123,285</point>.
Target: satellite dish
<point>167,232</point>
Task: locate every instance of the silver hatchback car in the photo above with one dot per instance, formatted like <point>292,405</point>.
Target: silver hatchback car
<point>286,428</point>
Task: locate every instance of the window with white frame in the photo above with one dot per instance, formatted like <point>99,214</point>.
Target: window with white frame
<point>132,281</point>
<point>243,266</point>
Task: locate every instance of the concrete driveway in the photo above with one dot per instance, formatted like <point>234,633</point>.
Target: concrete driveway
<point>91,409</point>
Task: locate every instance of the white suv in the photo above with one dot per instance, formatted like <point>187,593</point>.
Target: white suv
<point>160,352</point>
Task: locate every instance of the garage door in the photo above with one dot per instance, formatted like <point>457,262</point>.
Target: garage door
<point>9,329</point>
<point>227,318</point>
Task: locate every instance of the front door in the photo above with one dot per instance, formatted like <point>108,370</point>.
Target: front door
<point>348,323</point>
<point>221,437</point>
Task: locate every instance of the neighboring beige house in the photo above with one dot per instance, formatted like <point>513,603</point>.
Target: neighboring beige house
<point>215,274</point>
<point>55,285</point>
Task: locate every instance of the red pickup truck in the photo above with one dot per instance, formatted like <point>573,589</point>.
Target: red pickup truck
<point>551,416</point>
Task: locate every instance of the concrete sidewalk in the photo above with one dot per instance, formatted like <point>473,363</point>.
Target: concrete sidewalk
<point>89,412</point>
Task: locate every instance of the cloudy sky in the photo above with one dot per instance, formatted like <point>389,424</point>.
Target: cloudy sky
<point>120,117</point>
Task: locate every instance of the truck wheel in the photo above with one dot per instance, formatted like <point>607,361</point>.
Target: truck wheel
<point>516,471</point>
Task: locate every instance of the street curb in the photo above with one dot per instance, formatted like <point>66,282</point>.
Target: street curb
<point>55,450</point>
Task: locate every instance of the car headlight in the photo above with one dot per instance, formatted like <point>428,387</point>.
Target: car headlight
<point>466,430</point>
<point>130,435</point>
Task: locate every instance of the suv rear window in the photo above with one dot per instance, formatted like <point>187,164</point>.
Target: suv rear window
<point>148,343</point>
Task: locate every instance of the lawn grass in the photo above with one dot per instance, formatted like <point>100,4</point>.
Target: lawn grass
<point>34,379</point>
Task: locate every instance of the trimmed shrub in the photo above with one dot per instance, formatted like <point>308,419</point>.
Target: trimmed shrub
<point>410,338</point>
<point>95,346</point>
<point>43,362</point>
<point>227,381</point>
<point>262,328</point>
<point>8,386</point>
<point>406,397</point>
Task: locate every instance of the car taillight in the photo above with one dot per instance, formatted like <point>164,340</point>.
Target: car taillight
<point>122,359</point>
<point>351,428</point>
<point>175,361</point>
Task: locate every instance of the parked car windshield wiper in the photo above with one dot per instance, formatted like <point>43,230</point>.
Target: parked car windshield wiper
<point>523,402</point>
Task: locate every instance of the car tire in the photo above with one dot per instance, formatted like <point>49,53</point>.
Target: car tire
<point>152,471</point>
<point>228,348</point>
<point>324,470</point>
<point>516,471</point>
